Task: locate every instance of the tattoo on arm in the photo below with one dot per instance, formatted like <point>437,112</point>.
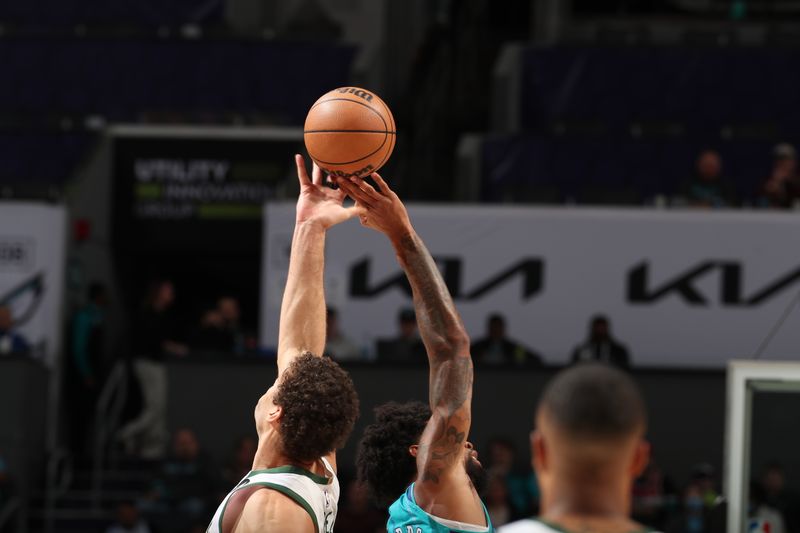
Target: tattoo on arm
<point>439,323</point>
<point>451,375</point>
<point>445,452</point>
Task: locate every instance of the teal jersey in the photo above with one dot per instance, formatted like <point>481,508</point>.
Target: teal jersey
<point>405,516</point>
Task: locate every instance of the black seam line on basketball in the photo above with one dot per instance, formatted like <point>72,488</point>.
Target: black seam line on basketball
<point>388,113</point>
<point>386,155</point>
<point>385,137</point>
<point>385,126</point>
<point>378,149</point>
<point>389,151</point>
<point>350,131</point>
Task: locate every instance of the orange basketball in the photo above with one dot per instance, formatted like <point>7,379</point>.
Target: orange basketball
<point>349,132</point>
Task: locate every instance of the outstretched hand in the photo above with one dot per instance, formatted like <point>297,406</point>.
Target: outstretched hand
<point>381,210</point>
<point>317,202</point>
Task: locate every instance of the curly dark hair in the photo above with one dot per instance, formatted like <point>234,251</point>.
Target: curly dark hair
<point>383,461</point>
<point>320,407</point>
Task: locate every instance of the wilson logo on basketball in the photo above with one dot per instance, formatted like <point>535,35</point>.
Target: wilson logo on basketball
<point>358,173</point>
<point>361,93</point>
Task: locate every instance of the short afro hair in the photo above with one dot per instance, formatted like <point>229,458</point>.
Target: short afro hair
<point>595,401</point>
<point>320,407</point>
<point>383,461</point>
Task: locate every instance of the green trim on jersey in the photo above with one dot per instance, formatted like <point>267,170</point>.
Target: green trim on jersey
<point>299,500</point>
<point>291,469</point>
<point>551,525</point>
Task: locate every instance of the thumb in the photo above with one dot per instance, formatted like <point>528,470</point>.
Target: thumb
<point>356,211</point>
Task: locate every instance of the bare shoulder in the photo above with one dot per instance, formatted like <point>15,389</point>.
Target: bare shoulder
<point>270,510</point>
<point>454,498</point>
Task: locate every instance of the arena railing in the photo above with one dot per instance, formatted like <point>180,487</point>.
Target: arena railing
<point>107,415</point>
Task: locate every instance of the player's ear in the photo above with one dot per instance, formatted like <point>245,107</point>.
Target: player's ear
<point>413,450</point>
<point>275,413</point>
<point>641,458</point>
<point>538,451</point>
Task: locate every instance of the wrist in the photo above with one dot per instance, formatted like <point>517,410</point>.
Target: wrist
<point>402,237</point>
<point>310,225</point>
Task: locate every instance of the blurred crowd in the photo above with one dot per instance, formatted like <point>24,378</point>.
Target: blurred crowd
<point>180,492</point>
<point>157,335</point>
<point>709,187</point>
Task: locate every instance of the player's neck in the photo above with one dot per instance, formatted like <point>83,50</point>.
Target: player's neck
<point>268,454</point>
<point>585,500</point>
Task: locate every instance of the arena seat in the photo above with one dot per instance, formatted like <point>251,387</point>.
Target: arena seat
<point>127,80</point>
<point>627,171</point>
<point>55,13</point>
<point>703,87</point>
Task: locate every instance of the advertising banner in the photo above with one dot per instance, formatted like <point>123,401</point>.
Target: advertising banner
<point>680,288</point>
<point>32,259</point>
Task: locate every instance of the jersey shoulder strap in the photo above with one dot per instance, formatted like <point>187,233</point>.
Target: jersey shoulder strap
<point>316,494</point>
<point>298,484</point>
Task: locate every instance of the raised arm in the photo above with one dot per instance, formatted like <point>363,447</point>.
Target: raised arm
<point>302,323</point>
<point>441,452</point>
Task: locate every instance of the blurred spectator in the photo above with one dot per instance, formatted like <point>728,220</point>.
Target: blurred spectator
<point>229,310</point>
<point>5,483</point>
<point>777,496</point>
<point>497,349</point>
<point>498,500</point>
<point>154,338</point>
<point>311,20</point>
<point>85,366</point>
<point>782,188</point>
<point>653,497</point>
<point>128,520</point>
<point>500,456</point>
<point>708,187</point>
<point>767,518</point>
<point>407,346</point>
<point>601,346</point>
<point>240,463</point>
<point>693,517</point>
<point>703,477</point>
<point>185,485</point>
<point>523,490</point>
<point>6,499</point>
<point>357,515</point>
<point>211,335</point>
<point>11,342</point>
<point>337,344</point>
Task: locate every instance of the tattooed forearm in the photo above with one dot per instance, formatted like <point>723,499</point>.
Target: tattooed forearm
<point>441,447</point>
<point>440,325</point>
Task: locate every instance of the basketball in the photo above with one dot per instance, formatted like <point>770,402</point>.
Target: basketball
<point>349,132</point>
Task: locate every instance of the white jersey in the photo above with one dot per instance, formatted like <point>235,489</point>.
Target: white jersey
<point>535,526</point>
<point>318,495</point>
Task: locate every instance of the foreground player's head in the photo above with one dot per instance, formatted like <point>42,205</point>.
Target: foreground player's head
<point>386,459</point>
<point>312,407</point>
<point>589,444</point>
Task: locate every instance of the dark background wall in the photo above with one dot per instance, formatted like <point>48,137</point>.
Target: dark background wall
<point>23,420</point>
<point>686,409</point>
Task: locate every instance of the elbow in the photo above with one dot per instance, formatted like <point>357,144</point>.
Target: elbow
<point>458,341</point>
